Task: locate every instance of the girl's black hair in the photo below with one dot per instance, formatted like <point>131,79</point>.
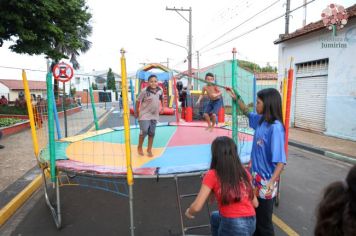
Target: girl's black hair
<point>349,216</point>
<point>272,105</point>
<point>230,172</point>
<point>330,210</point>
<point>336,213</point>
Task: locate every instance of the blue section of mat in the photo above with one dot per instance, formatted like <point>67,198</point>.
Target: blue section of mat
<point>191,158</point>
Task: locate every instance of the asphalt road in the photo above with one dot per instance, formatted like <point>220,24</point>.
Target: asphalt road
<point>88,211</point>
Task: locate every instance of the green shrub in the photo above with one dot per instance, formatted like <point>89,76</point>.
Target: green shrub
<point>9,121</point>
<point>13,110</point>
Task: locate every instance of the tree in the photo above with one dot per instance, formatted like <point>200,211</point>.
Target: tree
<point>94,86</point>
<point>250,65</point>
<point>110,80</point>
<point>269,68</point>
<point>56,28</point>
<point>256,68</point>
<point>73,91</point>
<point>110,83</point>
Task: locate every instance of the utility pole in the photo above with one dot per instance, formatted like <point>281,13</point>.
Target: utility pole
<point>305,13</point>
<point>198,70</point>
<point>286,31</point>
<point>189,39</point>
<point>166,62</point>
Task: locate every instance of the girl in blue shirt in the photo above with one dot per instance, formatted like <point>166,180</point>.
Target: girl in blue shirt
<point>268,154</point>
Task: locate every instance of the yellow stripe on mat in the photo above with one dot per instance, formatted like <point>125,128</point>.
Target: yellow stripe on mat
<point>86,135</point>
<point>7,211</point>
<point>283,226</point>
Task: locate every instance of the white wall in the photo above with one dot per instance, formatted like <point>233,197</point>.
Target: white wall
<point>4,89</point>
<point>340,120</point>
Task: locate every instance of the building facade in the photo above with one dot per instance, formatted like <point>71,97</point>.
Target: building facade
<point>324,86</point>
<point>13,89</point>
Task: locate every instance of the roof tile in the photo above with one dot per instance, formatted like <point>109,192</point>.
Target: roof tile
<point>18,84</point>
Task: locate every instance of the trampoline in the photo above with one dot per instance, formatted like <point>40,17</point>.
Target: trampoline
<point>107,159</point>
<point>178,149</point>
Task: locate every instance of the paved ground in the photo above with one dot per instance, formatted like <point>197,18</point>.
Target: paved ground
<point>18,156</point>
<point>299,192</point>
<point>88,211</point>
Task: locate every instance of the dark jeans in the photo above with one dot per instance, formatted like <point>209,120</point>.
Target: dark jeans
<point>222,226</point>
<point>264,224</point>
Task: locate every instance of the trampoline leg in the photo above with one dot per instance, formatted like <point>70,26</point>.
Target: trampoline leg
<point>179,206</point>
<point>132,225</point>
<point>55,208</point>
<point>181,196</point>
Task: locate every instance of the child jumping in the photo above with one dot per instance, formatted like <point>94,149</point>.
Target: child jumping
<point>232,188</point>
<point>215,101</point>
<point>147,112</point>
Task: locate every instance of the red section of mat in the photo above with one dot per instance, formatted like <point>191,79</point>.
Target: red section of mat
<point>193,135</point>
<point>194,124</point>
<point>186,135</point>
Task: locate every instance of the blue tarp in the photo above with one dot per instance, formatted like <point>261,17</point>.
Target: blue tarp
<point>162,76</point>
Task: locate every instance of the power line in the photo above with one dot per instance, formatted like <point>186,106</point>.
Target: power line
<point>17,68</point>
<point>239,25</point>
<point>225,17</point>
<point>260,26</point>
<point>27,69</point>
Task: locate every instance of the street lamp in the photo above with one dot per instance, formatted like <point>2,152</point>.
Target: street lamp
<point>187,50</point>
<point>162,40</point>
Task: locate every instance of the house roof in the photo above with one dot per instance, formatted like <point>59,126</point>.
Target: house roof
<point>266,75</point>
<point>312,27</point>
<point>18,84</point>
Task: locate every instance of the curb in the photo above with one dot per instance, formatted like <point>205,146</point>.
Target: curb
<point>10,208</point>
<point>19,198</point>
<point>326,153</point>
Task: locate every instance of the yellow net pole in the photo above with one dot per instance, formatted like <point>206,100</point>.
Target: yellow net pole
<point>126,117</point>
<point>30,113</point>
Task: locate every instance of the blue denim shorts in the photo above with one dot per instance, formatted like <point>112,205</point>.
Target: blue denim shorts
<point>213,106</point>
<point>147,127</point>
<point>222,226</point>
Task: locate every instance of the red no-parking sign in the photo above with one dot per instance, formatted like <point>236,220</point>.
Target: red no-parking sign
<point>63,72</point>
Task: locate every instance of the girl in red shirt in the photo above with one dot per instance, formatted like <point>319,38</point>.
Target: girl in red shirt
<point>231,185</point>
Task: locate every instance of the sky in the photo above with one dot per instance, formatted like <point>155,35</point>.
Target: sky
<point>134,25</point>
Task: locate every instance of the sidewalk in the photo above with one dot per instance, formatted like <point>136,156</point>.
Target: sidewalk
<point>341,149</point>
<point>18,166</point>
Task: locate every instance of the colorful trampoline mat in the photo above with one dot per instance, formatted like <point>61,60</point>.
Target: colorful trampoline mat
<point>176,149</point>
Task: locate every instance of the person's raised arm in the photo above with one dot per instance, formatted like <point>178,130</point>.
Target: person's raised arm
<point>241,104</point>
<point>218,92</point>
<point>199,201</point>
<point>201,95</point>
